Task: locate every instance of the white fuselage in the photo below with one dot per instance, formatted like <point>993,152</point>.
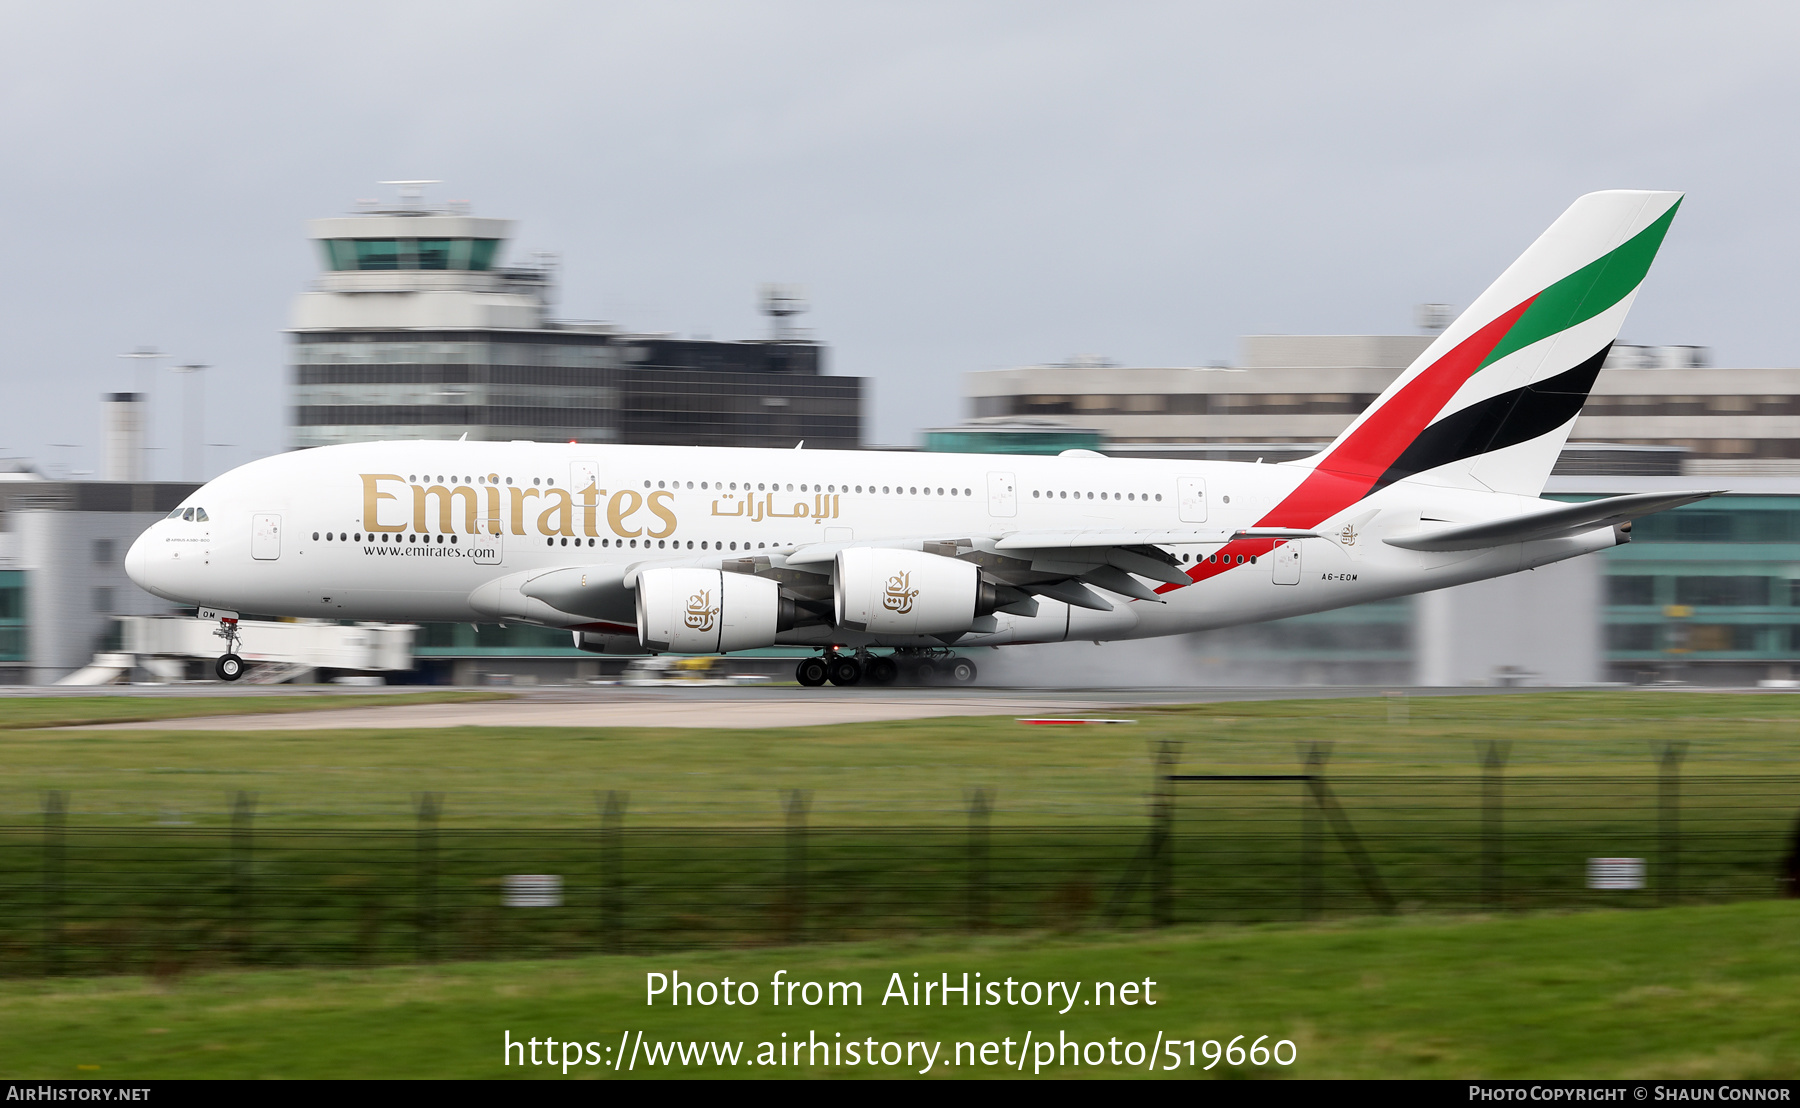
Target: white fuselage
<point>412,531</point>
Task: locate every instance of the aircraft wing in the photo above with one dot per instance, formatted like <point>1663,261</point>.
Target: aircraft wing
<point>1062,565</point>
<point>1058,540</point>
<point>1570,519</point>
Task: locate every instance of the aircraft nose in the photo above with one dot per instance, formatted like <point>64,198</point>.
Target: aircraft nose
<point>137,562</point>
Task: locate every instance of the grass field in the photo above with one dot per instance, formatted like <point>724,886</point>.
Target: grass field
<point>1692,991</point>
<point>878,774</point>
<point>1697,992</point>
<point>74,711</point>
<point>149,872</point>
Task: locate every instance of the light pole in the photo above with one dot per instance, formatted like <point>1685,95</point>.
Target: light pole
<point>193,422</point>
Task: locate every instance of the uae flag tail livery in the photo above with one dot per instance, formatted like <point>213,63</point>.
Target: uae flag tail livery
<point>1488,406</point>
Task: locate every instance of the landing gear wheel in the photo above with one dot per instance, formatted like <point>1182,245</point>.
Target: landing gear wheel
<point>845,669</point>
<point>924,672</point>
<point>880,671</point>
<point>230,667</point>
<point>962,671</point>
<point>811,672</point>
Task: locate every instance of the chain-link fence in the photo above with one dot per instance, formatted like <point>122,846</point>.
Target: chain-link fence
<point>1216,847</point>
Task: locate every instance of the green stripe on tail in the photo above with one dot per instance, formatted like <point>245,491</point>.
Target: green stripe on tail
<point>1587,292</point>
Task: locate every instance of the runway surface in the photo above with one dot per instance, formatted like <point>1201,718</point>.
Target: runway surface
<point>740,707</point>
<point>710,708</point>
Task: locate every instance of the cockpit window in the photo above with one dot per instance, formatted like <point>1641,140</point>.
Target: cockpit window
<point>188,515</point>
<point>200,515</point>
<point>176,514</point>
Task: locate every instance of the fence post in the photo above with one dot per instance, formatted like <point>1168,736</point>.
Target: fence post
<point>426,863</point>
<point>980,805</point>
<point>56,808</point>
<point>243,807</point>
<point>795,802</point>
<point>1312,878</point>
<point>1162,834</point>
<point>1668,822</point>
<point>612,870</point>
<point>1493,841</point>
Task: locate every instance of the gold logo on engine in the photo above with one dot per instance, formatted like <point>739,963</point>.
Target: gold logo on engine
<point>899,595</point>
<point>700,612</point>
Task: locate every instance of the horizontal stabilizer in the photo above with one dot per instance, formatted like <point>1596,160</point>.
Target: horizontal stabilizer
<point>1571,519</point>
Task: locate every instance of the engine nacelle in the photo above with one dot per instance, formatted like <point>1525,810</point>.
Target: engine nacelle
<point>706,611</point>
<point>904,592</point>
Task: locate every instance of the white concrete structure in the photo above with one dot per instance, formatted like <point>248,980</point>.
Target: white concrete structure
<point>122,451</point>
<point>1541,627</point>
<point>419,270</point>
<point>65,542</point>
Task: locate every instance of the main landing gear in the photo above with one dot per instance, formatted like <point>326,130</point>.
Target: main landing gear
<point>914,665</point>
<point>229,667</point>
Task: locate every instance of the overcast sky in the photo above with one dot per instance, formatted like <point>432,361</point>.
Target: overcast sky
<point>959,186</point>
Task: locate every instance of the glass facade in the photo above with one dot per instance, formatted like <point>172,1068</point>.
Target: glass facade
<point>1714,584</point>
<point>1002,440</point>
<point>346,255</point>
<point>13,644</point>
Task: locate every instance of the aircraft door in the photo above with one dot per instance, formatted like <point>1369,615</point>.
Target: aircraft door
<point>1003,495</point>
<point>581,475</point>
<point>1191,491</point>
<point>1287,563</point>
<point>485,548</point>
<point>265,536</point>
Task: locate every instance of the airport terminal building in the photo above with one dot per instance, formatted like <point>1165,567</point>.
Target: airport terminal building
<point>1654,409</point>
<point>416,329</point>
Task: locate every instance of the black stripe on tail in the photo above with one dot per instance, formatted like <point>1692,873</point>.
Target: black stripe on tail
<point>1499,421</point>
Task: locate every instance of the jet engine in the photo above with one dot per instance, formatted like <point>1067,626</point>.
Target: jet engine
<point>906,592</point>
<point>706,611</point>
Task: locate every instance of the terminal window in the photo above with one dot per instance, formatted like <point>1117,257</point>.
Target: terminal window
<point>103,552</point>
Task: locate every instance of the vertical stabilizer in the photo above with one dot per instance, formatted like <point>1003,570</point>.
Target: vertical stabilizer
<point>1490,403</point>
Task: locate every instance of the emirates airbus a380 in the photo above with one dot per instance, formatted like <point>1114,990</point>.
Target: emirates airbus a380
<point>638,549</point>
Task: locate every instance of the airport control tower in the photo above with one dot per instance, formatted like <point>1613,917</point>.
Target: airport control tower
<point>417,328</point>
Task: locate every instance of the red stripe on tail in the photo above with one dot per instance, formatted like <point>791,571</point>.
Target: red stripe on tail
<point>1348,473</point>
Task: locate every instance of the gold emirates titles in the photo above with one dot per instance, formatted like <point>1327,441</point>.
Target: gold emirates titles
<point>492,507</point>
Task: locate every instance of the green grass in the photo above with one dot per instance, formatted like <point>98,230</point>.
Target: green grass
<point>75,711</point>
<point>151,878</point>
<point>916,772</point>
<point>1698,992</point>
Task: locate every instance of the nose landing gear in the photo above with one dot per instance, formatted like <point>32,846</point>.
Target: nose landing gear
<point>229,667</point>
